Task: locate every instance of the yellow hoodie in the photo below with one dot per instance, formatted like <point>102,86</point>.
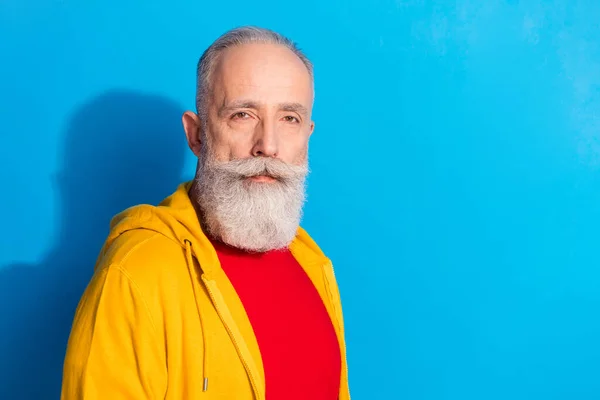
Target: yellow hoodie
<point>160,319</point>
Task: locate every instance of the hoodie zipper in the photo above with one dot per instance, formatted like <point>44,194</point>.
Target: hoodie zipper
<point>234,340</point>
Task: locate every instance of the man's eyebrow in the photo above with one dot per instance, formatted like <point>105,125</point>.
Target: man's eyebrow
<point>294,107</point>
<point>237,104</point>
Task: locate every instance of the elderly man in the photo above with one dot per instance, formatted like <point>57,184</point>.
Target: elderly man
<point>217,293</point>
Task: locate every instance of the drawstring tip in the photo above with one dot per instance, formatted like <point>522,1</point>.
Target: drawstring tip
<point>205,387</point>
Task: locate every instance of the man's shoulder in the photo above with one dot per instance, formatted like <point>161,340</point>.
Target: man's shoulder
<point>149,267</point>
<point>144,255</point>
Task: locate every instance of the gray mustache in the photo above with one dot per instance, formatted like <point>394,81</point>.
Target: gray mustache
<point>275,168</point>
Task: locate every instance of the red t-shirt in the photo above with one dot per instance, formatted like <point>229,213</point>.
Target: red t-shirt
<point>297,340</point>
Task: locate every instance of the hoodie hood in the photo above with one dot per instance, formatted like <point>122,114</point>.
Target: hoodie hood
<point>174,218</point>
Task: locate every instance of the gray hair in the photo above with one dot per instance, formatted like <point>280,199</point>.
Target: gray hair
<point>232,38</point>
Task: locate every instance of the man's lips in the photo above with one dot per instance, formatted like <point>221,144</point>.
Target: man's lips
<point>262,178</point>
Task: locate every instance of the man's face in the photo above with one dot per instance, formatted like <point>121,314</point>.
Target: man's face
<point>253,161</point>
<point>260,105</point>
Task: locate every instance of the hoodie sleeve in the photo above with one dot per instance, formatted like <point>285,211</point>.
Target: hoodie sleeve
<point>113,351</point>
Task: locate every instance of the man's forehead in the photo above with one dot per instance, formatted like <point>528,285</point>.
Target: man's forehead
<point>261,70</point>
<point>285,98</point>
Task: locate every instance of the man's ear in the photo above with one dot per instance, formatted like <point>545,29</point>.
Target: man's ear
<point>192,126</point>
<point>312,127</point>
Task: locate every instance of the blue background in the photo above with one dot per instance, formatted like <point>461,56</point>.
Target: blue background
<point>456,177</point>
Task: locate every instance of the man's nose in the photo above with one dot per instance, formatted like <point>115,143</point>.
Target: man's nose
<point>265,141</point>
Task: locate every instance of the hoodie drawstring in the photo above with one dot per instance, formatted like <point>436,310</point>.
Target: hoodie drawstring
<point>195,280</point>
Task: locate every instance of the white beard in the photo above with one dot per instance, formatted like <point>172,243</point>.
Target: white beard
<point>249,215</point>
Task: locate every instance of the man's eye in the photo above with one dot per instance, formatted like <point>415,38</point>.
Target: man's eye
<point>290,118</point>
<point>241,115</point>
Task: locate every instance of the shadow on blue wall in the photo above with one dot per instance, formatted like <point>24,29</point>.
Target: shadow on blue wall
<point>122,148</point>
